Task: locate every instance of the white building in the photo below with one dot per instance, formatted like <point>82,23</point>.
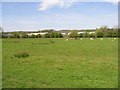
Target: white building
<point>91,32</point>
<point>63,33</point>
<point>81,32</point>
<point>41,33</point>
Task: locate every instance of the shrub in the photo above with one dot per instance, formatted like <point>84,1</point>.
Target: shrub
<point>38,36</point>
<point>60,35</point>
<point>74,34</point>
<point>24,35</point>
<point>15,35</point>
<point>85,34</point>
<point>33,36</point>
<point>21,55</point>
<point>47,35</point>
<point>92,35</point>
<point>81,35</point>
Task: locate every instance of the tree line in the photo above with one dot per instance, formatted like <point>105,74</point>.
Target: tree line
<point>101,32</point>
<point>25,35</point>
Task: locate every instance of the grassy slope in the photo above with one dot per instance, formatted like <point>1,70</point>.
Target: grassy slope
<point>65,64</point>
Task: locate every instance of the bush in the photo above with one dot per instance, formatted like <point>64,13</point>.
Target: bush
<point>21,55</point>
<point>100,34</point>
<point>38,36</point>
<point>92,35</point>
<point>74,34</point>
<point>47,35</point>
<point>15,35</point>
<point>85,35</point>
<point>33,36</point>
<point>81,35</point>
<point>60,35</point>
<point>24,35</point>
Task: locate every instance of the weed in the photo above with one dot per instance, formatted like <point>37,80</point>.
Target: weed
<point>21,55</point>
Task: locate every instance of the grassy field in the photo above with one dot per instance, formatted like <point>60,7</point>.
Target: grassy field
<point>64,64</point>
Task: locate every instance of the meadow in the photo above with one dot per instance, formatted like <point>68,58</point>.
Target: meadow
<point>64,64</point>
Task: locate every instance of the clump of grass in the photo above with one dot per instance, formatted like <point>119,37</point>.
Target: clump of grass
<point>21,55</point>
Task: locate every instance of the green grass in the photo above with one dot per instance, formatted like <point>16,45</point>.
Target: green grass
<point>63,64</point>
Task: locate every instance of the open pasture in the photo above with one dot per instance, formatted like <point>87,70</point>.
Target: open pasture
<point>81,63</point>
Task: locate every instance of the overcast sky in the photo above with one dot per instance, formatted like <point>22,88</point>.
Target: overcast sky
<point>58,15</point>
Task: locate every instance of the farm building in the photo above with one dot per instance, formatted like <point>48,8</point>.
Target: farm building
<point>82,32</point>
<point>41,33</point>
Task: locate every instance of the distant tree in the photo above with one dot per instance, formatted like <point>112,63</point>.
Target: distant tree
<point>3,35</point>
<point>92,35</point>
<point>38,36</point>
<point>11,36</point>
<point>115,33</point>
<point>74,34</point>
<point>56,34</point>
<point>99,34</point>
<point>15,35</point>
<point>33,36</point>
<point>47,30</point>
<point>52,35</point>
<point>60,35</point>
<point>103,28</point>
<point>24,35</point>
<point>86,34</point>
<point>81,35</point>
<point>109,33</point>
<point>47,35</point>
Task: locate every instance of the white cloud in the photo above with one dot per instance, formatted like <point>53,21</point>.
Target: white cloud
<point>47,4</point>
<point>113,1</point>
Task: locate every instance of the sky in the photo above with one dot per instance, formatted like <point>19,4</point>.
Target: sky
<point>58,14</point>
